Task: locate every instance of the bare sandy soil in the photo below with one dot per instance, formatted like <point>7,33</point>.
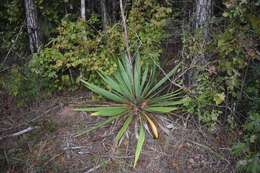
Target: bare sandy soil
<point>41,138</point>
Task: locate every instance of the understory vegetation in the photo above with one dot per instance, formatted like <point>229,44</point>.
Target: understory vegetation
<point>212,74</point>
<point>227,92</point>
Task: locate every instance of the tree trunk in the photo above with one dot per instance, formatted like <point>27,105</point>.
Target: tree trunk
<point>104,14</point>
<point>203,14</point>
<point>32,26</point>
<point>83,10</point>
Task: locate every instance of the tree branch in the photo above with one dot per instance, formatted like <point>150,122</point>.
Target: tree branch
<point>125,32</point>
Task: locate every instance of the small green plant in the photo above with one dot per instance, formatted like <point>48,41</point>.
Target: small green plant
<point>137,96</point>
<point>21,84</point>
<point>205,104</point>
<point>248,149</point>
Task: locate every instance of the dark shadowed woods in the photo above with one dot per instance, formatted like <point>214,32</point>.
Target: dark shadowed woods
<point>130,86</point>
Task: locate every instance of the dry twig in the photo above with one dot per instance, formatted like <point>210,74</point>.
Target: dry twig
<point>28,129</point>
<point>125,32</point>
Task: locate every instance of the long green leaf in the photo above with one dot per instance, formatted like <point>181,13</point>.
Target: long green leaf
<point>164,79</point>
<point>104,92</point>
<point>165,97</point>
<point>161,109</point>
<point>118,86</point>
<point>104,110</point>
<point>110,112</point>
<point>128,67</point>
<point>123,129</point>
<point>127,94</point>
<point>112,83</point>
<point>98,125</point>
<point>137,77</point>
<point>139,145</point>
<point>99,108</point>
<point>169,103</point>
<point>158,92</point>
<point>126,76</point>
<point>144,78</point>
<point>149,82</point>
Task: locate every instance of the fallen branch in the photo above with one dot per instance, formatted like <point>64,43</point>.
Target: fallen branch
<point>28,129</point>
<point>22,131</point>
<point>27,123</point>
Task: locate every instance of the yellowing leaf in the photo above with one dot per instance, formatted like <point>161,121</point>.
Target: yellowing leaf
<point>58,64</point>
<point>219,98</point>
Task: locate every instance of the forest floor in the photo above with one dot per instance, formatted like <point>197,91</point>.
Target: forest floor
<point>50,144</point>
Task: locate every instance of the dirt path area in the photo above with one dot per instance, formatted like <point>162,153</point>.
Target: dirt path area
<point>49,144</point>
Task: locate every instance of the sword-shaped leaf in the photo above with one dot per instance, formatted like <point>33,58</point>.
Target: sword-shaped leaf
<point>161,109</point>
<point>137,77</point>
<point>164,79</point>
<point>165,97</point>
<point>149,82</point>
<point>123,129</point>
<point>104,111</point>
<point>139,145</point>
<point>103,92</point>
<point>99,108</point>
<point>169,103</point>
<point>109,112</point>
<point>127,78</point>
<point>98,125</point>
<point>111,82</point>
<point>144,78</point>
<point>123,86</point>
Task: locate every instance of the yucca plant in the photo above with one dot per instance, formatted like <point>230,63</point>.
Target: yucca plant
<point>137,97</point>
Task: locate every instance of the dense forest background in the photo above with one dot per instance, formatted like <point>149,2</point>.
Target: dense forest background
<point>47,47</point>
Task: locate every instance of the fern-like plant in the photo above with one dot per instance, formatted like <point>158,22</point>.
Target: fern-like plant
<point>137,96</point>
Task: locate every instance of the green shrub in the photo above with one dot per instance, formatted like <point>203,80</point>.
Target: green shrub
<point>227,89</point>
<point>206,102</point>
<point>80,48</point>
<point>146,24</point>
<point>248,149</point>
<point>12,29</point>
<point>222,83</point>
<point>208,94</point>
